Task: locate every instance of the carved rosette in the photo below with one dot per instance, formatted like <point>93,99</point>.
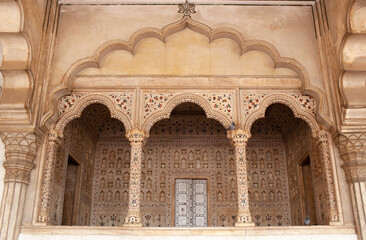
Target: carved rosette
<point>53,142</point>
<point>137,139</point>
<point>240,139</point>
<point>20,151</point>
<point>323,144</point>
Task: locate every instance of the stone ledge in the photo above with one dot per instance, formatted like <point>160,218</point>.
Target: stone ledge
<point>33,232</point>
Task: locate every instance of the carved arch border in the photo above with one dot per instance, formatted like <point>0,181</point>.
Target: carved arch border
<point>198,27</point>
<point>295,107</point>
<point>82,103</point>
<point>182,98</point>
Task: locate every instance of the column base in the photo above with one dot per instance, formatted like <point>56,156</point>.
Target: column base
<point>132,225</point>
<point>249,224</point>
<point>335,223</point>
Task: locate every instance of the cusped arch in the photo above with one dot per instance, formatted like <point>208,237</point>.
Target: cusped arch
<point>212,35</point>
<point>295,107</point>
<point>81,104</point>
<point>186,22</point>
<point>182,98</point>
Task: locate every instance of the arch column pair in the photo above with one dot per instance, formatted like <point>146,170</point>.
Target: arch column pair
<point>20,151</point>
<point>239,139</point>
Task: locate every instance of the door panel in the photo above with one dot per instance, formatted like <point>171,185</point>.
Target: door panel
<point>190,203</point>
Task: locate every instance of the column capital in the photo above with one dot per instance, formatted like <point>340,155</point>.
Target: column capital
<point>238,137</point>
<point>20,151</point>
<point>322,136</point>
<point>352,147</point>
<point>19,146</point>
<point>137,136</point>
<point>54,137</point>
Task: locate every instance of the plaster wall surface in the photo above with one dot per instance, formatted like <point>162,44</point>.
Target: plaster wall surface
<point>82,30</point>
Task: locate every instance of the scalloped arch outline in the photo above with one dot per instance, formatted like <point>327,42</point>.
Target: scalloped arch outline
<point>78,108</point>
<point>289,102</point>
<point>182,98</point>
<point>211,34</point>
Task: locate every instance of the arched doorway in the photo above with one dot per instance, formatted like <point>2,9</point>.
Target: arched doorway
<point>188,172</point>
<point>90,168</point>
<point>283,167</point>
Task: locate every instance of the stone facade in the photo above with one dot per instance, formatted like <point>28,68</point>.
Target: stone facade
<point>104,104</point>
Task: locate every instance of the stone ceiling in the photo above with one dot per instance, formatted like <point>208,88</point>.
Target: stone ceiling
<point>98,119</point>
<point>278,121</point>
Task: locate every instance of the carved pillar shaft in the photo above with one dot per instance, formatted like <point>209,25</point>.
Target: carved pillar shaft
<point>239,139</point>
<point>136,138</point>
<point>53,142</point>
<point>20,150</point>
<point>353,152</point>
<point>323,145</point>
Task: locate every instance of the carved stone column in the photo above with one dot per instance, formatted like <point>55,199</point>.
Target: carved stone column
<point>53,142</point>
<point>20,150</point>
<point>353,152</point>
<point>323,147</point>
<point>240,139</point>
<point>137,139</point>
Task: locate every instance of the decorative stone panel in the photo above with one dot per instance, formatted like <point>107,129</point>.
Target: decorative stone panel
<point>222,102</point>
<point>154,102</point>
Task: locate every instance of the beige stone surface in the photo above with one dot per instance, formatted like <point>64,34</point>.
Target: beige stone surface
<point>248,233</point>
<point>2,170</point>
<point>354,88</point>
<point>358,17</point>
<point>279,28</point>
<point>10,18</point>
<point>353,54</point>
<point>15,51</point>
<point>40,40</point>
<point>15,94</point>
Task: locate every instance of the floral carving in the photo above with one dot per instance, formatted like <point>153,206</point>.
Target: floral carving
<point>68,101</point>
<point>154,102</point>
<point>220,102</point>
<point>251,101</point>
<point>124,101</point>
<point>307,102</point>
